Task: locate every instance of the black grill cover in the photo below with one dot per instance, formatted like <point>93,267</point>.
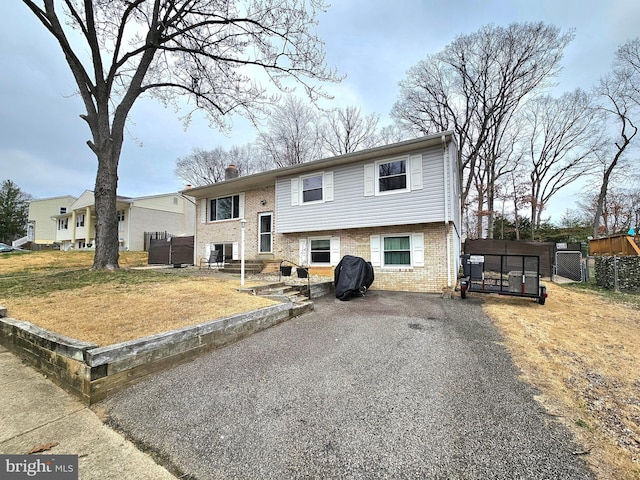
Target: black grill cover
<point>353,276</point>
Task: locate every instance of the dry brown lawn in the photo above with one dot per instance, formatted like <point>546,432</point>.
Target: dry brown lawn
<point>55,259</point>
<point>114,312</point>
<point>583,353</point>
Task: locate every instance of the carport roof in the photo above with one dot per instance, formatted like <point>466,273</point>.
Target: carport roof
<point>269,177</point>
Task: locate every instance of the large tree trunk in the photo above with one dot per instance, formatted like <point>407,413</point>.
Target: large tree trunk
<point>107,239</point>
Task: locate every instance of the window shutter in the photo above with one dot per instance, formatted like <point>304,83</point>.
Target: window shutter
<point>374,241</point>
<point>303,257</point>
<point>241,205</point>
<point>328,187</point>
<point>234,252</point>
<point>335,250</point>
<point>369,180</point>
<point>295,194</point>
<point>416,171</point>
<point>417,249</point>
<point>203,210</point>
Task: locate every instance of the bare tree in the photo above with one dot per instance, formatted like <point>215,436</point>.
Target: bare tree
<point>474,85</point>
<point>498,156</point>
<point>204,167</point>
<point>620,211</point>
<point>563,136</point>
<point>292,135</point>
<point>393,133</point>
<point>202,50</point>
<point>627,65</point>
<point>620,101</point>
<point>346,130</point>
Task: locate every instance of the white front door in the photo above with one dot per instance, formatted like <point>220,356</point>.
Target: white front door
<point>265,237</point>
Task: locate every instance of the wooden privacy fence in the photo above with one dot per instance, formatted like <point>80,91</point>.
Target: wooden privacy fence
<point>171,251</point>
<point>621,245</point>
<point>544,250</point>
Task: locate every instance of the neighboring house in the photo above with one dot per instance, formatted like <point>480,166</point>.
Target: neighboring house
<point>397,206</point>
<point>74,223</point>
<point>41,228</point>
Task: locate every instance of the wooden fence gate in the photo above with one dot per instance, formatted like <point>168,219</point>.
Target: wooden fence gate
<point>171,251</point>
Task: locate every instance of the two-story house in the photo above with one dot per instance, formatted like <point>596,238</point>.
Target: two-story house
<point>71,221</point>
<point>397,206</point>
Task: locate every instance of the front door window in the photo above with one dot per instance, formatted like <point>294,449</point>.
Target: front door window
<point>264,234</point>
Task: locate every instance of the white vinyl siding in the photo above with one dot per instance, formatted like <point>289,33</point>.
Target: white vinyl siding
<point>356,207</point>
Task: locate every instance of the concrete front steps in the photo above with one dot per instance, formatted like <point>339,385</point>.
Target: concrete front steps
<point>251,266</point>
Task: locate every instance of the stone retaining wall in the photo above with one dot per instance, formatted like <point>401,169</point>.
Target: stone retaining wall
<point>93,373</point>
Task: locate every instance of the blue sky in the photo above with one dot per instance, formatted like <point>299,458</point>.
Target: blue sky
<point>374,42</point>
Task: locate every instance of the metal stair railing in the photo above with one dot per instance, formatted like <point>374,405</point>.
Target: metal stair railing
<point>297,267</point>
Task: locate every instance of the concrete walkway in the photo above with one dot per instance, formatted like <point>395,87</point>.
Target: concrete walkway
<point>35,412</point>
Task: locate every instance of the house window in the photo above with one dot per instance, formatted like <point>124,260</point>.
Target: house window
<point>392,176</point>
<point>63,224</point>
<point>320,250</point>
<point>80,221</point>
<point>63,210</point>
<point>120,214</point>
<point>264,234</point>
<point>224,208</point>
<point>312,188</point>
<point>397,250</point>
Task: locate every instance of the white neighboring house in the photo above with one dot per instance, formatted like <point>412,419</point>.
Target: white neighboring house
<point>73,220</point>
<point>397,206</point>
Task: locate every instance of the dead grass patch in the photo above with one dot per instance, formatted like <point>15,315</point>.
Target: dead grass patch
<point>583,352</point>
<point>55,259</point>
<point>112,313</point>
<point>120,306</point>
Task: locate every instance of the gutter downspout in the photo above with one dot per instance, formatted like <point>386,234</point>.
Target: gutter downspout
<point>446,208</point>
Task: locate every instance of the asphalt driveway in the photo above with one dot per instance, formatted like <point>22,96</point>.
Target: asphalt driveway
<point>390,386</point>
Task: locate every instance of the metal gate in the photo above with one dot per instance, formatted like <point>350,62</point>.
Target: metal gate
<point>569,265</point>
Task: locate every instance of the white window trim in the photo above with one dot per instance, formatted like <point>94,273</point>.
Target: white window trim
<point>382,251</point>
<point>334,251</point>
<point>416,248</point>
<point>319,264</point>
<point>205,213</point>
<point>297,193</point>
<point>260,233</point>
<point>302,179</point>
<point>413,173</point>
<point>407,175</point>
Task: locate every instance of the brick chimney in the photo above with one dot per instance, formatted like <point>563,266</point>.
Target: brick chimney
<point>230,172</point>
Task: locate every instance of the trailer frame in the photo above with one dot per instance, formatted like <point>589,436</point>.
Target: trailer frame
<point>513,275</point>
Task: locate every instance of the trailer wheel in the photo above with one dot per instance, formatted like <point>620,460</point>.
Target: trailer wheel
<point>543,295</point>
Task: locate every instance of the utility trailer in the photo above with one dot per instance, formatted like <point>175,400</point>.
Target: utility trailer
<point>515,275</point>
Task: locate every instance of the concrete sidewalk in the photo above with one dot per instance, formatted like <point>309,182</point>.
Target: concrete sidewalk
<point>34,412</point>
